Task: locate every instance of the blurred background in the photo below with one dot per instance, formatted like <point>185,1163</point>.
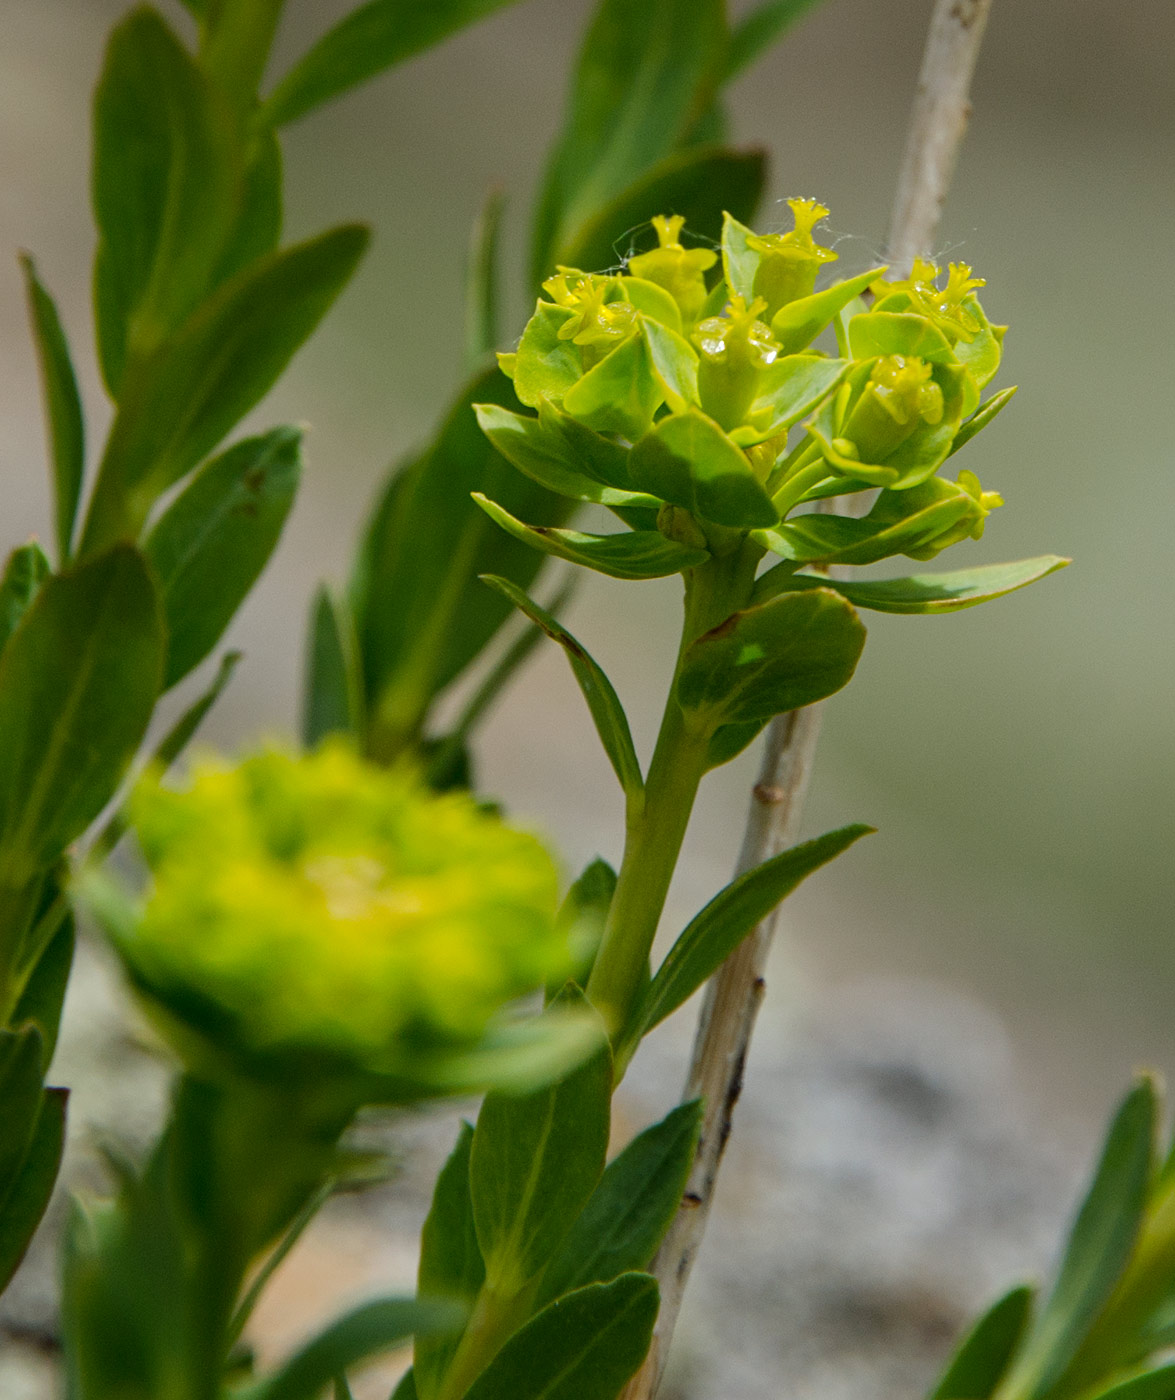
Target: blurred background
<point>1018,759</point>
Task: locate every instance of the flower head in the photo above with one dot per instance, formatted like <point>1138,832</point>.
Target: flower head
<point>681,271</point>
<point>598,319</point>
<point>789,262</point>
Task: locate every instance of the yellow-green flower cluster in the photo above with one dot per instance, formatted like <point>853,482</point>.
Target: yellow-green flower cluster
<point>324,905</point>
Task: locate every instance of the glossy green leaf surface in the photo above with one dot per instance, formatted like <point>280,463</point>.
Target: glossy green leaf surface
<point>603,702</point>
<point>370,39</point>
<point>1099,1246</point>
<point>675,363</point>
<point>636,554</point>
<point>797,324</point>
<point>791,388</point>
<point>545,366</point>
<point>26,570</point>
<point>78,682</point>
<point>450,1262</point>
<point>631,1209</point>
<point>898,333</point>
<point>182,402</point>
<point>687,459</point>
<point>940,593</point>
<point>333,694</point>
<point>63,408</point>
<point>789,652</point>
<point>583,1347</point>
<point>211,544</point>
<point>618,395</point>
<point>984,1354</point>
<point>739,261</point>
<point>26,1201</point>
<point>536,1159</point>
<point>167,175</point>
<point>731,915</point>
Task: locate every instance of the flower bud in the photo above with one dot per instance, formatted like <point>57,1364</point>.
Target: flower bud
<point>789,262</point>
<point>679,270</point>
<point>677,524</point>
<point>899,396</point>
<point>971,525</point>
<point>735,347</point>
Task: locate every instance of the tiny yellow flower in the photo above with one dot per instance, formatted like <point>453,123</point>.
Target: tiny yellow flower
<point>681,271</point>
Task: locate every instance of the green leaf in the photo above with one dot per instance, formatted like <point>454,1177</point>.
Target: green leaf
<point>675,363</point>
<point>44,993</point>
<point>791,388</point>
<point>167,176</point>
<point>26,1202</point>
<point>797,323</point>
<point>372,38</point>
<point>982,416</point>
<point>481,282</point>
<point>450,1262</point>
<point>606,710</point>
<point>536,1159</point>
<point>63,408</point>
<point>333,697</point>
<point>618,395</point>
<point>646,73</point>
<point>406,1390</point>
<point>78,681</point>
<point>700,183</point>
<point>687,459</point>
<point>1158,1384</point>
<point>584,914</point>
<point>635,555</point>
<point>258,228</point>
<point>26,570</point>
<point>789,652</point>
<point>21,1073</point>
<point>586,1346</point>
<point>545,366</point>
<point>898,333</point>
<point>842,539</point>
<point>939,593</point>
<point>739,261</point>
<point>755,32</point>
<point>733,913</point>
<point>545,450</point>
<point>210,545</point>
<point>366,1332</point>
<point>631,1209</point>
<point>1100,1244</point>
<point>183,400</point>
<point>984,1354</point>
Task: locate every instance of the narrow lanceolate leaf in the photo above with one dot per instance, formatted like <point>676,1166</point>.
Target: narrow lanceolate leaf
<point>481,282</point>
<point>584,1347</point>
<point>63,408</point>
<point>181,402</point>
<point>844,539</point>
<point>637,554</point>
<point>797,324</point>
<point>646,74</point>
<point>21,1075</point>
<point>25,1204</point>
<point>982,416</point>
<point>333,697</point>
<point>1099,1247</point>
<point>762,27</point>
<point>624,1222</point>
<point>939,593</point>
<point>26,570</point>
<point>406,1390</point>
<point>369,1330</point>
<point>44,993</point>
<point>730,916</point>
<point>984,1354</point>
<point>211,544</point>
<point>373,37</point>
<point>167,176</point>
<point>1158,1384</point>
<point>789,652</point>
<point>536,1160</point>
<point>700,183</point>
<point>450,1262</point>
<point>583,916</point>
<point>78,682</point>
<point>606,710</point>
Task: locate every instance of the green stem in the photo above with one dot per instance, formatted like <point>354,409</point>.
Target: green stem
<point>798,484</point>
<point>496,1316</point>
<point>235,46</point>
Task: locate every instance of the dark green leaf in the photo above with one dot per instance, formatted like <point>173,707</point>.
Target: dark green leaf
<point>629,1212</point>
<point>636,554</point>
<point>63,408</point>
<point>1158,1384</point>
<point>44,992</point>
<point>730,740</point>
<point>333,701</point>
<point>26,570</point>
<point>786,653</point>
<point>406,1390</point>
<point>369,1330</point>
<point>167,175</point>
<point>646,74</point>
<point>1100,1243</point>
<point>701,183</point>
<point>754,34</point>
<point>257,231</point>
<point>984,1354</point>
<point>939,593</point>
<point>982,416</point>
<point>481,282</point>
<point>606,710</point>
<point>583,1347</point>
<point>687,459</point>
<point>450,1262</point>
<point>536,1160</point>
<point>371,38</point>
<point>21,1073</point>
<point>182,401</point>
<point>25,1204</point>
<point>709,939</point>
<point>78,681</point>
<point>211,544</point>
<point>342,1389</point>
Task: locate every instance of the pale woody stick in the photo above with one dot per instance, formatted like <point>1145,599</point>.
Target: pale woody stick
<point>937,125</point>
